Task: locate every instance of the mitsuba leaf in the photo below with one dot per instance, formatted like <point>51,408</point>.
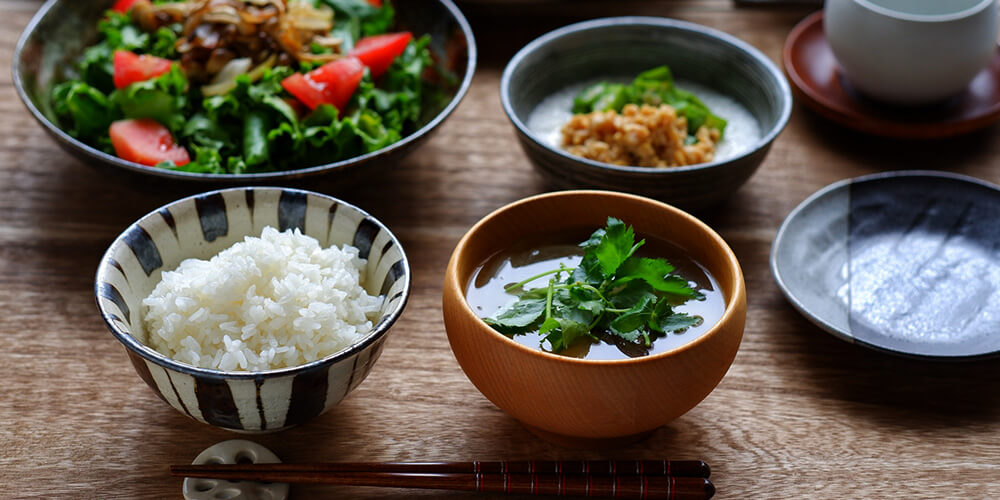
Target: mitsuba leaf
<point>655,272</point>
<point>589,271</point>
<point>665,320</point>
<point>520,314</point>
<point>572,330</point>
<point>631,293</point>
<point>625,298</point>
<point>677,322</point>
<point>585,299</point>
<point>549,325</point>
<point>616,246</point>
<point>631,324</point>
<point>594,241</point>
<point>566,306</point>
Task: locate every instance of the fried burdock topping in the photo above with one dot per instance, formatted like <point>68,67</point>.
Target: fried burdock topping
<point>233,36</point>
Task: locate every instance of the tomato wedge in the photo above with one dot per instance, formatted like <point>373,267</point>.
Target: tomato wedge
<point>123,5</point>
<point>375,3</point>
<point>377,52</point>
<point>146,142</point>
<point>131,68</point>
<point>332,83</point>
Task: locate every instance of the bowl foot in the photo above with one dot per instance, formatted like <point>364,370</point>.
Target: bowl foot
<point>588,443</point>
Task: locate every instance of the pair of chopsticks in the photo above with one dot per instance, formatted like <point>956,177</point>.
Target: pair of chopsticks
<point>654,479</point>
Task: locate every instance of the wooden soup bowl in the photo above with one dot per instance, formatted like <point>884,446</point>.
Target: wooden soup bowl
<point>585,403</point>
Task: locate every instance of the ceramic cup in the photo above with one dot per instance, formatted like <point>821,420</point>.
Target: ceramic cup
<point>911,52</point>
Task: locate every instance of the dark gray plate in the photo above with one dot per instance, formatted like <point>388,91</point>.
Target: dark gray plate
<point>905,262</point>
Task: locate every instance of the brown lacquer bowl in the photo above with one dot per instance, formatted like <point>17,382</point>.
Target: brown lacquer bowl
<point>586,403</point>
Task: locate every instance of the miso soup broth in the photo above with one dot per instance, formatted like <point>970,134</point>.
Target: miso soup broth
<point>486,295</point>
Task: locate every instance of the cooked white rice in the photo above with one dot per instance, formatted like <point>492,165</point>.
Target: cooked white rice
<point>270,302</point>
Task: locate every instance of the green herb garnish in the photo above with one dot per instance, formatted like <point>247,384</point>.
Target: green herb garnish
<point>653,87</point>
<point>611,290</point>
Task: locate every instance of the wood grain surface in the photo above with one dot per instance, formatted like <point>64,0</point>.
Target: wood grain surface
<point>800,414</point>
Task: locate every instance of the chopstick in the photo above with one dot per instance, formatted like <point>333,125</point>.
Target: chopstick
<point>598,486</point>
<point>672,468</point>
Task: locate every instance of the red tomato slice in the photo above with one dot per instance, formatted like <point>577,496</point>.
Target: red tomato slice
<point>377,52</point>
<point>332,83</point>
<point>376,3</point>
<point>131,68</point>
<point>123,5</point>
<point>146,142</point>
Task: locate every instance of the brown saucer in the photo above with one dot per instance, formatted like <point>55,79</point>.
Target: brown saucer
<point>817,81</point>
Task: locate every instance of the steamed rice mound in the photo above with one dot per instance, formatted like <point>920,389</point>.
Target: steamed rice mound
<point>271,302</point>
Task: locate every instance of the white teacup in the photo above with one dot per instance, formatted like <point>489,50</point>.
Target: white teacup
<point>911,51</point>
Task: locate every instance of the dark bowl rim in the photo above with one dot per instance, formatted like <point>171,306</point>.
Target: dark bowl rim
<point>150,354</point>
<point>784,89</point>
<point>114,161</point>
<point>821,322</point>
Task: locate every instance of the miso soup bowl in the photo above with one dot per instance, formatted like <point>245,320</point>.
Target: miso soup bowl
<point>586,403</point>
<point>200,227</point>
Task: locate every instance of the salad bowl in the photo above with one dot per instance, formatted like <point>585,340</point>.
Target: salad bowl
<point>62,29</point>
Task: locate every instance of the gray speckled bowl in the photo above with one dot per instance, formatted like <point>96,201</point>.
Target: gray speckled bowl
<point>62,29</point>
<point>200,227</point>
<point>901,262</point>
<point>624,47</point>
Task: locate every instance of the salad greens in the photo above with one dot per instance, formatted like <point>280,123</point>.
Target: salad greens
<point>653,87</point>
<point>254,127</point>
<point>612,290</point>
<point>358,18</point>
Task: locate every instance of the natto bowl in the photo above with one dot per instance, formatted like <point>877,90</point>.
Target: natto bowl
<point>587,403</point>
<point>621,48</point>
<point>200,227</point>
<point>62,29</point>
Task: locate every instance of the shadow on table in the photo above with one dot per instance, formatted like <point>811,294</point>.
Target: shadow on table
<point>887,388</point>
<point>879,154</point>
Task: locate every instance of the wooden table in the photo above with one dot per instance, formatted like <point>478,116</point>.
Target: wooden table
<point>800,414</point>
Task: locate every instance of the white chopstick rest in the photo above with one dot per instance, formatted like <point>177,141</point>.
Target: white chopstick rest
<point>234,451</point>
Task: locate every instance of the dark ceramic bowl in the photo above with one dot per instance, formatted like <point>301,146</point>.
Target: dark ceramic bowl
<point>62,29</point>
<point>622,48</point>
<point>202,226</point>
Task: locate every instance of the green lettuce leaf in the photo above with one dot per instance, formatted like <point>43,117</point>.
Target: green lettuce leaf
<point>85,110</point>
<point>164,99</point>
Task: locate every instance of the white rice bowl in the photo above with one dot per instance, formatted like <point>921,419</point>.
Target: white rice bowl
<point>277,301</point>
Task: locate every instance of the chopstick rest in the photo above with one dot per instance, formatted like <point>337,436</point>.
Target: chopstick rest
<point>234,452</point>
